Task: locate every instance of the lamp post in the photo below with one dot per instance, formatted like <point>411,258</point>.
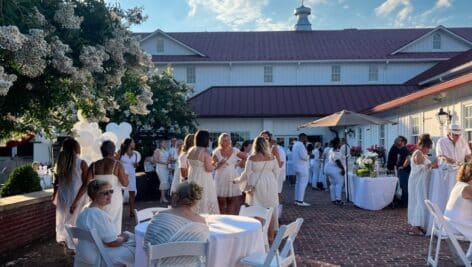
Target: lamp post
<point>443,118</point>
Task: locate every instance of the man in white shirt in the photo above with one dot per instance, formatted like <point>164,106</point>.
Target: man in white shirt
<point>453,148</point>
<point>345,148</point>
<point>301,167</point>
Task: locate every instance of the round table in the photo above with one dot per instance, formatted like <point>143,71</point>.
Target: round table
<point>231,238</point>
<point>372,193</point>
<point>439,185</point>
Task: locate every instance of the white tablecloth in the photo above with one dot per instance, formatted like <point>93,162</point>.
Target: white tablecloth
<point>231,238</point>
<point>372,193</point>
<point>440,184</point>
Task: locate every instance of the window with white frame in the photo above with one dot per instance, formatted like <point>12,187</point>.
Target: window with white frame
<point>359,137</point>
<point>373,73</point>
<point>268,74</point>
<point>160,45</point>
<point>382,135</point>
<point>468,121</point>
<point>437,41</point>
<point>415,128</point>
<point>239,137</point>
<point>191,76</point>
<point>335,73</point>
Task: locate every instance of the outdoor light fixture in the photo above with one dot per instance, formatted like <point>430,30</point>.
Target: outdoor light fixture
<point>443,117</point>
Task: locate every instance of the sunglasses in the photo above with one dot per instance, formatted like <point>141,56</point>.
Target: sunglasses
<point>106,193</point>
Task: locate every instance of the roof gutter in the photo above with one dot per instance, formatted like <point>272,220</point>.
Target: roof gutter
<point>435,89</point>
<point>441,76</point>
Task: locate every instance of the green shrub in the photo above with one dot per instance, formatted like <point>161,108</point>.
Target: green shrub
<point>22,180</point>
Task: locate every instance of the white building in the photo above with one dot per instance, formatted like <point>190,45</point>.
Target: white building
<point>245,82</point>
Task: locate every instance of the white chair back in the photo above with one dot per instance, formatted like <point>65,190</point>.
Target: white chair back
<point>443,230</point>
<point>286,256</point>
<point>146,214</point>
<point>259,212</point>
<point>156,253</point>
<point>92,237</point>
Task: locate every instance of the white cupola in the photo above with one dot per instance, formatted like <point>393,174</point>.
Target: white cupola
<point>302,13</point>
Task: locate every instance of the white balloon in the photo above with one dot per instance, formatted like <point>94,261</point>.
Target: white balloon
<point>85,138</point>
<point>126,128</point>
<point>109,136</point>
<point>111,127</point>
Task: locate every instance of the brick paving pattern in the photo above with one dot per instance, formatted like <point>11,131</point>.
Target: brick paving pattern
<point>330,236</point>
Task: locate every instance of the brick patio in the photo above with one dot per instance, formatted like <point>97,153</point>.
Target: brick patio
<point>331,235</point>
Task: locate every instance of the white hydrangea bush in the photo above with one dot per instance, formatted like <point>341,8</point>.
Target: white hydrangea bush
<point>89,72</point>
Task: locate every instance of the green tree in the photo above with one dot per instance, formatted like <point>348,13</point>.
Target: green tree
<point>57,57</point>
<point>168,110</point>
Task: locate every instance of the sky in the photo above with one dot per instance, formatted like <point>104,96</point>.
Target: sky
<point>275,15</point>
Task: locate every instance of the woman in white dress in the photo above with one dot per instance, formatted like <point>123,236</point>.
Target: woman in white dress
<point>335,170</point>
<point>70,173</point>
<point>459,206</point>
<point>111,170</point>
<point>182,166</point>
<point>176,172</point>
<point>261,174</point>
<point>130,160</point>
<point>420,169</point>
<point>228,157</point>
<point>161,159</point>
<point>180,223</point>
<point>120,247</point>
<point>200,169</point>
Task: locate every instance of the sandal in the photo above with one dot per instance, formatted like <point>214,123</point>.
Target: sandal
<point>415,233</point>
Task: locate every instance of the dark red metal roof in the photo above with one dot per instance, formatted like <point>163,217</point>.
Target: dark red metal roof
<point>442,67</point>
<point>303,45</point>
<point>291,101</point>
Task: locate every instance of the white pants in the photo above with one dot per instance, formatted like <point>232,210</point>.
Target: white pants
<point>336,180</point>
<point>300,186</point>
<point>315,176</point>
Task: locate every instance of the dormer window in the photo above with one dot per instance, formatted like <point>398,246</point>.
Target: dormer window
<point>437,41</point>
<point>160,45</point>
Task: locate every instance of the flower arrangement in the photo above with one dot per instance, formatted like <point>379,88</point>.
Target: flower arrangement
<point>366,164</point>
<point>380,150</point>
<point>356,151</point>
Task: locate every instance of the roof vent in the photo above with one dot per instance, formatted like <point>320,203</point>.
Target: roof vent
<point>302,13</point>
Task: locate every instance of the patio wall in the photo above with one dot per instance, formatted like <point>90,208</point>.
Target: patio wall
<point>26,218</point>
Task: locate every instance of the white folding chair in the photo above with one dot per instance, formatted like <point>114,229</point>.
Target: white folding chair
<point>156,253</point>
<point>275,258</point>
<point>92,237</point>
<point>146,214</point>
<point>259,212</point>
<point>443,231</point>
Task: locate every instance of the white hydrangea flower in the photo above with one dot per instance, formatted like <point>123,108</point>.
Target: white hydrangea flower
<point>93,57</point>
<point>116,47</point>
<point>65,16</point>
<point>60,61</point>
<point>11,38</point>
<point>38,17</point>
<point>6,81</point>
<point>81,76</point>
<point>32,55</point>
